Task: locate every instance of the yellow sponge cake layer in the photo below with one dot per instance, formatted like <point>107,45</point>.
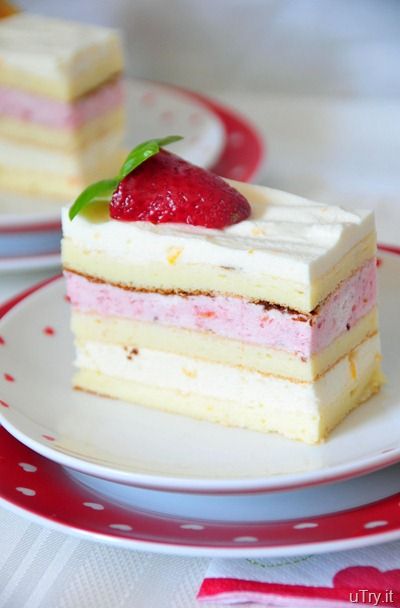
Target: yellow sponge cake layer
<point>35,171</point>
<point>208,346</point>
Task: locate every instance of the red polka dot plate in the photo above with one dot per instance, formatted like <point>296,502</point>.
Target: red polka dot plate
<point>340,516</point>
<point>151,449</point>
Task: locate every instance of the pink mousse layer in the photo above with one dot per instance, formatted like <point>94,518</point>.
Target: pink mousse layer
<point>235,317</point>
<point>32,108</point>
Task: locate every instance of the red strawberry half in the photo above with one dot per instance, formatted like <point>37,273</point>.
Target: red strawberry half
<point>166,188</point>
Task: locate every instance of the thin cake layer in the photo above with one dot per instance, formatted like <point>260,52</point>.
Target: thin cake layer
<point>31,118</point>
<point>57,58</point>
<point>292,252</point>
<point>211,347</point>
<point>31,170</point>
<point>247,399</point>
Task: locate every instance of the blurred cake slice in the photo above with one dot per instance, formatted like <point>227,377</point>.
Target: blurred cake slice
<point>267,322</point>
<point>61,105</point>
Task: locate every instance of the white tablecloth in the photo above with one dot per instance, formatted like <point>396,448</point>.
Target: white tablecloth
<point>343,151</point>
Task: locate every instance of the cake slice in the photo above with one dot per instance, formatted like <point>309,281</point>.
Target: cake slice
<point>61,105</point>
<point>227,302</point>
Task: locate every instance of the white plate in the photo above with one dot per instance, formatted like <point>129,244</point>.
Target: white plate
<point>139,446</point>
<point>30,262</point>
<point>153,110</point>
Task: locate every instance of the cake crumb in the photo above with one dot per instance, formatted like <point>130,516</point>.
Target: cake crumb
<point>189,373</point>
<point>206,314</point>
<point>132,352</point>
<point>257,231</point>
<point>353,366</point>
<point>173,255</point>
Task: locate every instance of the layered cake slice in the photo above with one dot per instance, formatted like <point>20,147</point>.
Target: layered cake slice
<point>61,105</point>
<point>220,300</point>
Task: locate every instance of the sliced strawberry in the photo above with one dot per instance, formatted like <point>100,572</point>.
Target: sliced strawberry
<point>167,189</point>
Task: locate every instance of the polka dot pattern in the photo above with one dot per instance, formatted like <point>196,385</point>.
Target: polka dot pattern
<point>235,139</point>
<point>195,118</point>
<point>28,468</point>
<point>26,491</point>
<point>95,506</point>
<point>49,437</point>
<point>148,98</point>
<point>166,117</point>
<point>238,172</point>
<point>375,524</point>
<point>69,503</point>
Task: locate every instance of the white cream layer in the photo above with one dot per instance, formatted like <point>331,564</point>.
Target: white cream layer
<point>53,48</point>
<point>288,236</point>
<point>252,389</point>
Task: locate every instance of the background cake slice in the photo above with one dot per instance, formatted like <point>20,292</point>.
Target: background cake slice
<point>61,105</point>
<point>268,323</point>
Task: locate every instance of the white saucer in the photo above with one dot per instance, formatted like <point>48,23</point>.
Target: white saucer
<point>139,446</point>
<point>304,503</point>
<point>30,262</point>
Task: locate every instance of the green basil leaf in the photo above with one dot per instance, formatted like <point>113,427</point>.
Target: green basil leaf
<point>170,139</point>
<point>143,151</point>
<point>137,156</point>
<point>102,189</point>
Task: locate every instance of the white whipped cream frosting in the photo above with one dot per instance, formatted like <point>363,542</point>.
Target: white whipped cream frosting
<point>47,47</point>
<point>286,236</point>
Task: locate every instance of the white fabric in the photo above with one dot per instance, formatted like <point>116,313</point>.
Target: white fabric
<point>309,570</point>
<point>41,568</point>
<point>313,571</point>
